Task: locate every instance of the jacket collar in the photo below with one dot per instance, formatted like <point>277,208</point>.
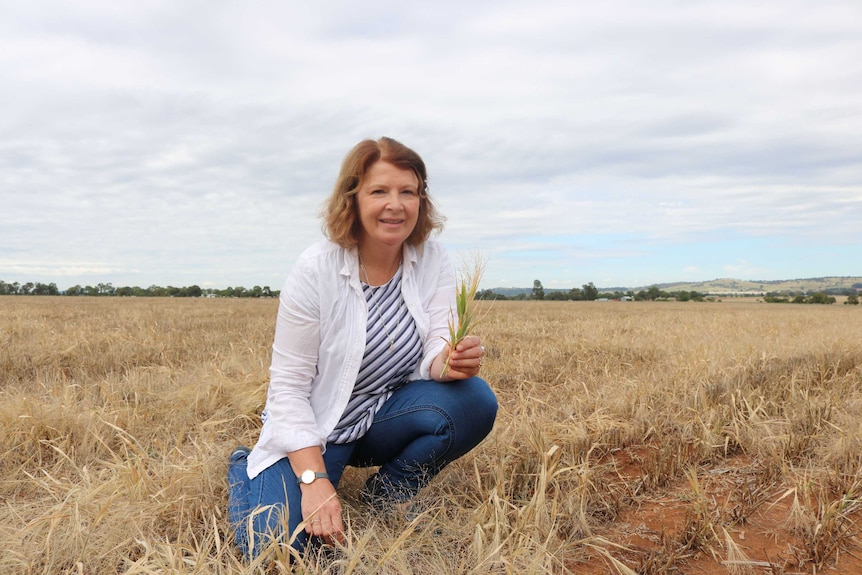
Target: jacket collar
<point>350,261</point>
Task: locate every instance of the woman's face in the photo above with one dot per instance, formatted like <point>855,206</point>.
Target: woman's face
<point>388,204</point>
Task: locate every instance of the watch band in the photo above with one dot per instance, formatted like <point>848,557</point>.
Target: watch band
<point>309,476</point>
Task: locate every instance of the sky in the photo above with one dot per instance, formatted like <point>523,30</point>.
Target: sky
<point>624,143</point>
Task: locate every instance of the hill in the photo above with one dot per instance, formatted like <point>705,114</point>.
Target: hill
<point>729,286</point>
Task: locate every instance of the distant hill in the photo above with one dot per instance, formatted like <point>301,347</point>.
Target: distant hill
<point>728,286</point>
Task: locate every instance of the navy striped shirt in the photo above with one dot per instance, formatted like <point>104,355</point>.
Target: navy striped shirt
<point>386,365</point>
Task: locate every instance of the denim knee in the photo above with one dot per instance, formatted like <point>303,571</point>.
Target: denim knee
<point>481,406</point>
<point>472,415</point>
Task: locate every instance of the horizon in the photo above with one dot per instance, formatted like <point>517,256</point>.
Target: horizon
<point>513,288</point>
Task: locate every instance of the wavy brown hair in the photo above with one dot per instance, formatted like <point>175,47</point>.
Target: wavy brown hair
<point>340,214</point>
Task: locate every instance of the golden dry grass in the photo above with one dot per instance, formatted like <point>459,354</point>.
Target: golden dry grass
<point>118,415</point>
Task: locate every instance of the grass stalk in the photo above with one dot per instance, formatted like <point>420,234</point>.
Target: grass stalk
<point>462,320</point>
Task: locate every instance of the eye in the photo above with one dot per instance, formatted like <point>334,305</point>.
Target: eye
<point>409,192</point>
<point>376,192</point>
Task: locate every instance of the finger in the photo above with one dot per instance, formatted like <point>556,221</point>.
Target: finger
<point>473,354</point>
<point>466,358</point>
<point>335,535</point>
<point>463,372</point>
<point>328,529</point>
<point>469,342</point>
<point>470,362</point>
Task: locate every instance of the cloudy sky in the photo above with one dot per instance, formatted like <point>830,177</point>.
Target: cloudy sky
<point>620,142</point>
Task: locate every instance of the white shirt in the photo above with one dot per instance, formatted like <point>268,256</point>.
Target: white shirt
<point>320,340</point>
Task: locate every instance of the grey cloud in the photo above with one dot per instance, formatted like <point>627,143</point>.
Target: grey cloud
<point>170,141</point>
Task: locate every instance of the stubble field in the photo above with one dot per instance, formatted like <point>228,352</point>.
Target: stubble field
<point>648,438</point>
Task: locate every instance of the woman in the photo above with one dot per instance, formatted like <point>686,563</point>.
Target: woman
<point>357,375</point>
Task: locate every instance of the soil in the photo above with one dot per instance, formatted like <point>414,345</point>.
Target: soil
<point>663,532</point>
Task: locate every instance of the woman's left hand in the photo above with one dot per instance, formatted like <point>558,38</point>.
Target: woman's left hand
<point>464,361</point>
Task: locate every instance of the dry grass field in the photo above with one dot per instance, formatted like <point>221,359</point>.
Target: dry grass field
<point>648,438</point>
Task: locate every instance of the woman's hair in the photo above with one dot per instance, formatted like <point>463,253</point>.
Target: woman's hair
<point>340,214</point>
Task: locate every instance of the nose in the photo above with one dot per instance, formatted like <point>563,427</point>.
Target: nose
<point>395,202</point>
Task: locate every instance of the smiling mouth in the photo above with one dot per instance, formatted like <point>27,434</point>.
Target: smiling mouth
<point>391,221</point>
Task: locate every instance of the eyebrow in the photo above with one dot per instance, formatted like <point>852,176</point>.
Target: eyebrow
<point>375,185</point>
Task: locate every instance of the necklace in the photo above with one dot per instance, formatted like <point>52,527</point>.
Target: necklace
<point>373,299</point>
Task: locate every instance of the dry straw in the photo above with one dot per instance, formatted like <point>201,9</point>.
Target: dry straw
<point>118,416</point>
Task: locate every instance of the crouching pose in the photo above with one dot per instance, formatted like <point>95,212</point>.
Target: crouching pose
<point>358,373</point>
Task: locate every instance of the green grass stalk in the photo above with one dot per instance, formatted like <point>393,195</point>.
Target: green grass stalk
<point>463,319</point>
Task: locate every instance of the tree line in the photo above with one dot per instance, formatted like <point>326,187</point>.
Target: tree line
<point>108,289</point>
<point>589,292</point>
<point>817,297</point>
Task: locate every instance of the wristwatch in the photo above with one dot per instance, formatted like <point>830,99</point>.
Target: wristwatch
<point>308,476</point>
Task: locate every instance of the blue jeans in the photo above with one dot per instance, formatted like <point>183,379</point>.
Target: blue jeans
<point>424,426</point>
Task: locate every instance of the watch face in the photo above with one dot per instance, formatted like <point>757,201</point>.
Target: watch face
<point>307,476</point>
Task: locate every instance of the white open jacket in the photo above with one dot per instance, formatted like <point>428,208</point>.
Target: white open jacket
<point>320,340</point>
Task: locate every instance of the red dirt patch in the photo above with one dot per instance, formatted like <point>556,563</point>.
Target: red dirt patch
<point>683,528</point>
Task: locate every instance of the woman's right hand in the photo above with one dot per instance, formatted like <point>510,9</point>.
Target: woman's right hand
<point>321,511</point>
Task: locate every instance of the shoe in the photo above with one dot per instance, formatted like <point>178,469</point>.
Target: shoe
<point>239,454</point>
<point>409,511</point>
<point>390,511</point>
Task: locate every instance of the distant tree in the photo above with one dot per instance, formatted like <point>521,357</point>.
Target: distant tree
<point>557,295</point>
<point>821,298</point>
<point>852,299</point>
<point>653,293</point>
<point>538,291</point>
<point>489,295</point>
<point>591,292</point>
<point>575,294</point>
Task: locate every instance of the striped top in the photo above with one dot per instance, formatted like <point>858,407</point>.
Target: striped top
<point>386,365</point>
